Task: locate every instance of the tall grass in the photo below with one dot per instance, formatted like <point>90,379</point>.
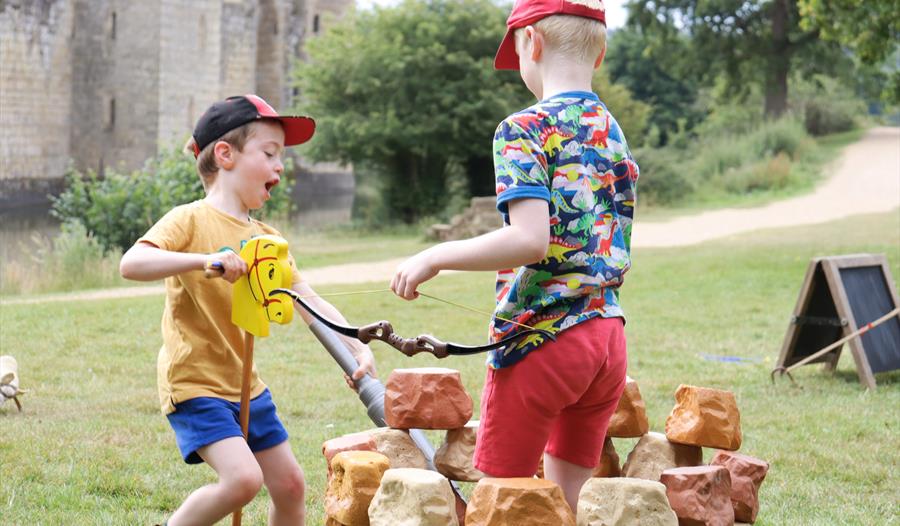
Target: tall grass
<point>72,260</point>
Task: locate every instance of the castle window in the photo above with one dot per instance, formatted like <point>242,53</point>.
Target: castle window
<point>316,24</point>
<point>110,121</point>
<point>112,26</point>
<point>201,34</point>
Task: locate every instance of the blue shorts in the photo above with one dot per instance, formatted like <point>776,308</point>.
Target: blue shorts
<point>199,422</point>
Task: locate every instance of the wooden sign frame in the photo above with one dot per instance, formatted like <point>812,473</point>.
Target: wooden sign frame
<point>832,320</point>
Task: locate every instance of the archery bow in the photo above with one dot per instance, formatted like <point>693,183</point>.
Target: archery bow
<point>383,331</point>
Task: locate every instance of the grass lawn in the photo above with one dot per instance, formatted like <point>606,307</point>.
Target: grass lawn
<point>92,448</point>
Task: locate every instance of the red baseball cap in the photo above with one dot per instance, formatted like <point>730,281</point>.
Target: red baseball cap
<point>226,115</point>
<point>527,12</point>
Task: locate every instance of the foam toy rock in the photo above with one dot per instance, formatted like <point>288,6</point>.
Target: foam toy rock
<point>704,417</point>
<point>609,461</point>
<point>398,447</point>
<point>700,495</point>
<point>519,501</point>
<point>330,521</point>
<point>355,477</point>
<point>654,454</point>
<point>747,475</point>
<point>351,442</point>
<point>454,458</point>
<point>624,502</point>
<point>630,418</point>
<point>413,497</point>
<point>426,398</point>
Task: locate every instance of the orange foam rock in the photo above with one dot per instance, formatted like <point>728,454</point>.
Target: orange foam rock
<point>704,417</point>
<point>351,442</point>
<point>700,496</point>
<point>426,398</point>
<point>519,501</point>
<point>747,475</point>
<point>355,477</point>
<point>630,418</point>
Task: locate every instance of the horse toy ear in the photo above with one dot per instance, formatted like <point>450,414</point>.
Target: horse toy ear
<point>268,268</point>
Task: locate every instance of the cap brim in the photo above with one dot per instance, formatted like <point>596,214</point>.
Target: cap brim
<point>506,57</point>
<point>297,130</point>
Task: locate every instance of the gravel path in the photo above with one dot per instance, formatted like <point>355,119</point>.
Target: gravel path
<point>865,179</point>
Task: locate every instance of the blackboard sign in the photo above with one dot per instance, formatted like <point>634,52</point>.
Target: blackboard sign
<point>839,296</point>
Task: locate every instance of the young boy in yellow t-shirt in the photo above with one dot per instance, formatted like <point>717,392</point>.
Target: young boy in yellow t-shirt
<point>238,144</point>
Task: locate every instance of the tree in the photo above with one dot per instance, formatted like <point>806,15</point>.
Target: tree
<point>670,94</point>
<point>406,92</point>
<point>870,28</point>
<point>747,41</point>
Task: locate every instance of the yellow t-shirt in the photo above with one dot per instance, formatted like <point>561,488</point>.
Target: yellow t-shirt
<point>202,350</point>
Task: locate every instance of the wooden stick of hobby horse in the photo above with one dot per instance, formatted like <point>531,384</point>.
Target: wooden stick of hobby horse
<point>246,372</point>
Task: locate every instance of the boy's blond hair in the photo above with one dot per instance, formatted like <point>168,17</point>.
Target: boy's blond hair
<point>578,38</point>
<point>206,160</point>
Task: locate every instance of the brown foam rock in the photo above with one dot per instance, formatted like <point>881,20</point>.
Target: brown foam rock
<point>700,496</point>
<point>704,417</point>
<point>747,475</point>
<point>329,521</point>
<point>355,477</point>
<point>426,398</point>
<point>518,501</point>
<point>609,461</point>
<point>398,447</point>
<point>413,497</point>
<point>351,442</point>
<point>654,454</point>
<point>454,458</point>
<point>624,502</point>
<point>630,418</point>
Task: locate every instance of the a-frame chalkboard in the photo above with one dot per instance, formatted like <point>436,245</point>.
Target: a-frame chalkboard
<point>840,295</point>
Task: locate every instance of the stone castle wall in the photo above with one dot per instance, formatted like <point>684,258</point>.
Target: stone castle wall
<point>107,83</point>
<point>35,86</point>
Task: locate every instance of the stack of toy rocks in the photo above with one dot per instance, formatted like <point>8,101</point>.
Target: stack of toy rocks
<point>379,477</point>
<point>664,473</point>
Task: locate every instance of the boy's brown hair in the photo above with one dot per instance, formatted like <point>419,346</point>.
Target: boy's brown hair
<point>207,167</point>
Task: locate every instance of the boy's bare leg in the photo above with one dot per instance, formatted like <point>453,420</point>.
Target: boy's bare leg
<point>240,479</point>
<point>284,480</point>
<point>570,477</point>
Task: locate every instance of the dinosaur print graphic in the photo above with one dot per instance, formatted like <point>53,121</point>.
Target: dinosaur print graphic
<point>569,150</point>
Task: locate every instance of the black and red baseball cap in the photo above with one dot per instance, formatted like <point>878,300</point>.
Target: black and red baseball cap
<point>527,12</point>
<point>226,115</point>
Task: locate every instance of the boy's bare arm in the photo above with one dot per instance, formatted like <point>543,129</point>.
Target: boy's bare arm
<point>147,262</point>
<point>360,351</point>
<point>523,242</point>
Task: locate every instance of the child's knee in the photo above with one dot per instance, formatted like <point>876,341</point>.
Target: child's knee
<point>244,484</point>
<point>291,487</point>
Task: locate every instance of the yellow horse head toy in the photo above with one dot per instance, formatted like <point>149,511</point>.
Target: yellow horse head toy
<point>251,306</point>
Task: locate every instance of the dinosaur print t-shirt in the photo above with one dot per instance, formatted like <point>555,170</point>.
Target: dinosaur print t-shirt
<point>569,151</point>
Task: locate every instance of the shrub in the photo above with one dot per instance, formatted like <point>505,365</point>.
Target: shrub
<point>826,104</point>
<point>664,179</point>
<point>118,208</point>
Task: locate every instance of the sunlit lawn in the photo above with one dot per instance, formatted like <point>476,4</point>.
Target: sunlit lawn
<point>92,448</point>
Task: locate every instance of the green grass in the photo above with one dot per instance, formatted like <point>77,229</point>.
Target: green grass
<point>92,448</point>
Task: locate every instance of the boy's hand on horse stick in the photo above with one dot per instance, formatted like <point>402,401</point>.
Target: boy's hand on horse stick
<point>366,361</point>
<point>230,266</point>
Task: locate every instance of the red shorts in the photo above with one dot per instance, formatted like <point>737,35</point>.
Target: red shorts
<point>558,399</point>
